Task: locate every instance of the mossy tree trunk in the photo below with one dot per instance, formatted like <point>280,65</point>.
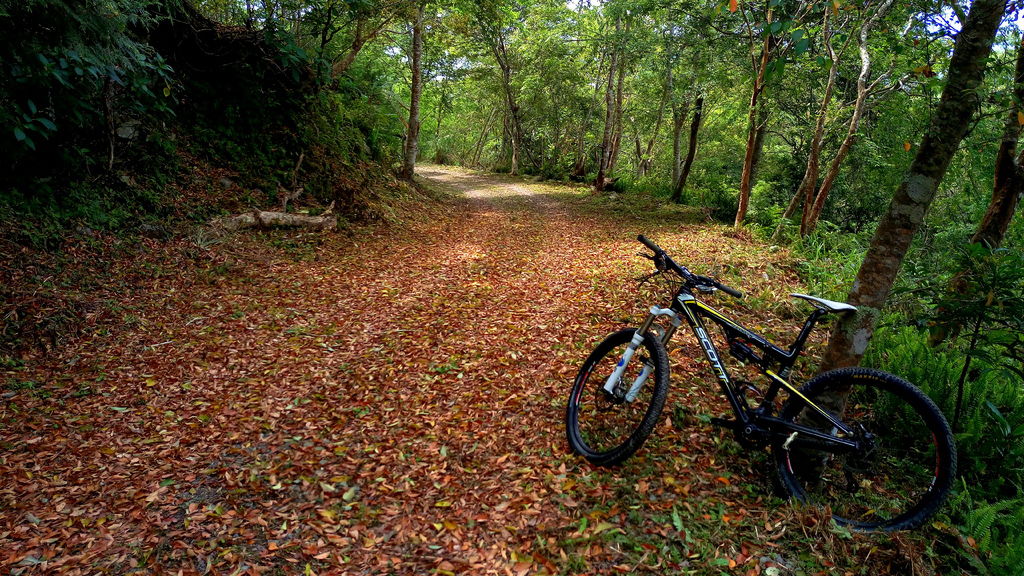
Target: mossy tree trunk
<point>915,193</point>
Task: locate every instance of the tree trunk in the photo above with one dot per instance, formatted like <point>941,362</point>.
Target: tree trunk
<point>691,149</point>
<point>579,169</point>
<point>641,165</point>
<point>483,138</point>
<point>269,219</point>
<point>359,39</point>
<point>515,124</point>
<point>645,157</point>
<point>437,128</point>
<point>412,133</point>
<point>1006,193</point>
<point>607,138</point>
<point>812,210</point>
<point>753,131</point>
<point>850,337</point>
<point>1009,175</point>
<point>617,131</point>
<point>810,180</point>
<point>679,114</point>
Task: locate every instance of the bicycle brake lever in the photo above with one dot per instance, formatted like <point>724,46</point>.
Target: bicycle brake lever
<point>647,277</point>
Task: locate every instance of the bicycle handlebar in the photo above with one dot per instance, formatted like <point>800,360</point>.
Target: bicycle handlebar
<point>691,278</point>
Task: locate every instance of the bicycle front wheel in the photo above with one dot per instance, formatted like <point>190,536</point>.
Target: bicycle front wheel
<point>903,474</point>
<point>608,427</point>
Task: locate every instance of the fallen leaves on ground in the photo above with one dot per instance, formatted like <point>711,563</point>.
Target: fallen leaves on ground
<point>390,401</point>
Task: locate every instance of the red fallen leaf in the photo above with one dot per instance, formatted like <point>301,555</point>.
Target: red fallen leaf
<point>733,5</point>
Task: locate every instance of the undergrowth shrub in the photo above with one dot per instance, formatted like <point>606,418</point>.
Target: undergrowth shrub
<point>994,532</point>
<point>74,73</point>
<point>829,260</point>
<point>989,436</point>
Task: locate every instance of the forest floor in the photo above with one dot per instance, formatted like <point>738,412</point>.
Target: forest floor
<point>390,400</point>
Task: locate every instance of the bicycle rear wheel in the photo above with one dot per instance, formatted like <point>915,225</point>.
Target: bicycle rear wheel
<point>903,477</point>
<point>606,428</point>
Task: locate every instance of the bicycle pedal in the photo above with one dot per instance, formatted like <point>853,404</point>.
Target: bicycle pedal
<point>724,423</point>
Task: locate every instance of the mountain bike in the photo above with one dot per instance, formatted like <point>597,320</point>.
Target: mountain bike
<point>866,444</point>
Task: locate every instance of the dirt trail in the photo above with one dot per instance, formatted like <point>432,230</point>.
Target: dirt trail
<point>388,405</point>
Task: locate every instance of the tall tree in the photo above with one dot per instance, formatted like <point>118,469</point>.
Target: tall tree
<point>910,202</point>
<point>767,59</point>
<point>613,109</point>
<point>755,130</point>
<point>1007,189</point>
<point>814,203</point>
<point>805,191</point>
<point>691,150</point>
<point>1009,174</point>
<point>412,132</point>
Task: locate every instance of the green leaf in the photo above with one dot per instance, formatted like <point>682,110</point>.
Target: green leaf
<point>32,106</point>
<point>20,135</point>
<point>47,123</point>
<point>1004,425</point>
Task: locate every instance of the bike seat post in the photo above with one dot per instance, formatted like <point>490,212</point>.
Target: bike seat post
<point>809,324</point>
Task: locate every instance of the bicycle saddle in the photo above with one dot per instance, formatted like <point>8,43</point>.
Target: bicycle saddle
<point>828,305</point>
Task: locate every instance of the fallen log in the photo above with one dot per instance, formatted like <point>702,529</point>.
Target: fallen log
<point>269,219</point>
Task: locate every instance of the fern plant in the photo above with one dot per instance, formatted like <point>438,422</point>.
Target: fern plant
<point>993,530</point>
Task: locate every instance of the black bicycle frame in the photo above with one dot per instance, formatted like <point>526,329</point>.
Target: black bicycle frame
<point>752,421</point>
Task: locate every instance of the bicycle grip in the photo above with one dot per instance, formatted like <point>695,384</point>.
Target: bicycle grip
<point>728,290</point>
<point>643,240</point>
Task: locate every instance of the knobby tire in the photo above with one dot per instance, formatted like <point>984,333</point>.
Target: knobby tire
<point>604,432</point>
<point>902,482</point>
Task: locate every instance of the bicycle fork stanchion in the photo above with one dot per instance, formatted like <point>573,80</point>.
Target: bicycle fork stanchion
<point>635,343</point>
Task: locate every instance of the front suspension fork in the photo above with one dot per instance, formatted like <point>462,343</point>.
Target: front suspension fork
<point>638,339</point>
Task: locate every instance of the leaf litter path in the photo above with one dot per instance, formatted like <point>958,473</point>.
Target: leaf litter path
<point>390,403</point>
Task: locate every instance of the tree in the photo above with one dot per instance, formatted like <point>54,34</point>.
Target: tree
<point>412,133</point>
<point>808,194</point>
<point>767,60</point>
<point>814,203</point>
<point>1009,174</point>
<point>612,133</point>
<point>910,202</point>
<point>1007,189</point>
<point>691,150</point>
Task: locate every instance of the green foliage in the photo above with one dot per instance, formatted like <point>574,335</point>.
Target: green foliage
<point>66,67</point>
<point>991,300</point>
<point>830,260</point>
<point>990,439</point>
<point>994,528</point>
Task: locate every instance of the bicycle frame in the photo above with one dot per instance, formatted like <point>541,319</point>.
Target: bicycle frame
<point>751,423</point>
